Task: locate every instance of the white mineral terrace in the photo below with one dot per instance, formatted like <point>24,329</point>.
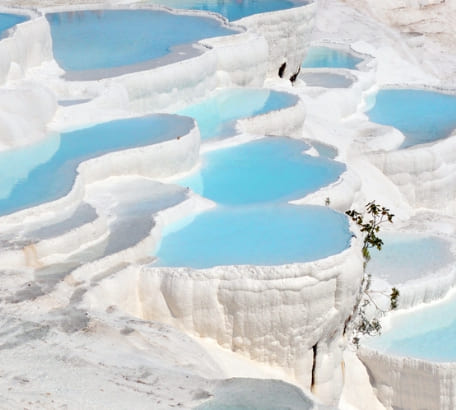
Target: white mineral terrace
<point>87,321</point>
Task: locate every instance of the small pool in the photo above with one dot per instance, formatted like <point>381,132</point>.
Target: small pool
<point>407,257</point>
<point>10,20</point>
<point>422,116</point>
<point>326,80</point>
<point>325,57</point>
<point>257,394</point>
<point>260,235</point>
<point>47,170</point>
<point>216,116</point>
<point>102,39</point>
<point>427,332</point>
<point>231,9</point>
<point>268,169</point>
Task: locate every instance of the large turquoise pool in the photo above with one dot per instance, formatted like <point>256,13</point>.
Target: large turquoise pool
<point>216,116</point>
<point>428,333</point>
<point>422,116</point>
<point>268,169</point>
<point>261,235</point>
<point>101,39</point>
<point>231,9</point>
<point>46,171</point>
<point>10,20</point>
<point>325,57</point>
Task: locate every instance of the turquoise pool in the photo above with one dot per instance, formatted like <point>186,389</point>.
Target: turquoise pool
<point>268,169</point>
<point>101,39</point>
<point>231,9</point>
<point>422,116</point>
<point>10,20</point>
<point>428,332</point>
<point>216,116</point>
<point>325,57</point>
<point>46,171</point>
<point>251,184</point>
<point>406,257</point>
<point>260,235</point>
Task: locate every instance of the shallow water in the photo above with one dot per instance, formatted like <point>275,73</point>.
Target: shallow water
<point>325,57</point>
<point>46,171</point>
<point>260,235</point>
<point>97,39</point>
<point>428,332</point>
<point>268,169</point>
<point>9,20</point>
<point>325,150</point>
<point>257,394</point>
<point>216,116</point>
<point>326,80</point>
<point>231,9</point>
<point>407,257</point>
<point>422,116</point>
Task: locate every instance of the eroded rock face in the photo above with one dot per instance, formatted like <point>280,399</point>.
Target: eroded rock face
<point>408,383</point>
<point>288,33</point>
<point>289,316</point>
<point>424,175</point>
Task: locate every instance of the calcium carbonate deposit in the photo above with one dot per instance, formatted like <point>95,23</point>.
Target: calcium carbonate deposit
<point>173,182</point>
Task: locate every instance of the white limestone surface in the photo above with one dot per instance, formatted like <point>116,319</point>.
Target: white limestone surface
<point>408,383</point>
<point>288,34</point>
<point>239,60</point>
<point>18,53</point>
<point>25,112</point>
<point>287,121</point>
<point>159,160</point>
<point>44,324</point>
<point>425,174</point>
<point>302,306</point>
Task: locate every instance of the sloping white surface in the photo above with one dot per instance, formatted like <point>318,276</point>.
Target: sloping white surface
<point>65,301</point>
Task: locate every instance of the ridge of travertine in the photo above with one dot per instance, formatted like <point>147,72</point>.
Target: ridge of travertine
<point>64,301</point>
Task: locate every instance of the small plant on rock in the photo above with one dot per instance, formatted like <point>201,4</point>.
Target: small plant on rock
<point>363,321</point>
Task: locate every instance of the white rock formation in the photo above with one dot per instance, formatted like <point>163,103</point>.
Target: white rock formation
<point>410,383</point>
<point>302,307</point>
<point>75,279</point>
<point>18,53</point>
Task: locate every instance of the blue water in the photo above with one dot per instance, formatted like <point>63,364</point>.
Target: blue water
<point>216,116</point>
<point>327,80</point>
<point>231,9</point>
<point>428,333</point>
<point>261,235</point>
<point>46,171</point>
<point>268,169</point>
<point>256,394</point>
<point>88,40</point>
<point>325,57</point>
<point>422,116</point>
<point>406,257</point>
<point>9,20</point>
